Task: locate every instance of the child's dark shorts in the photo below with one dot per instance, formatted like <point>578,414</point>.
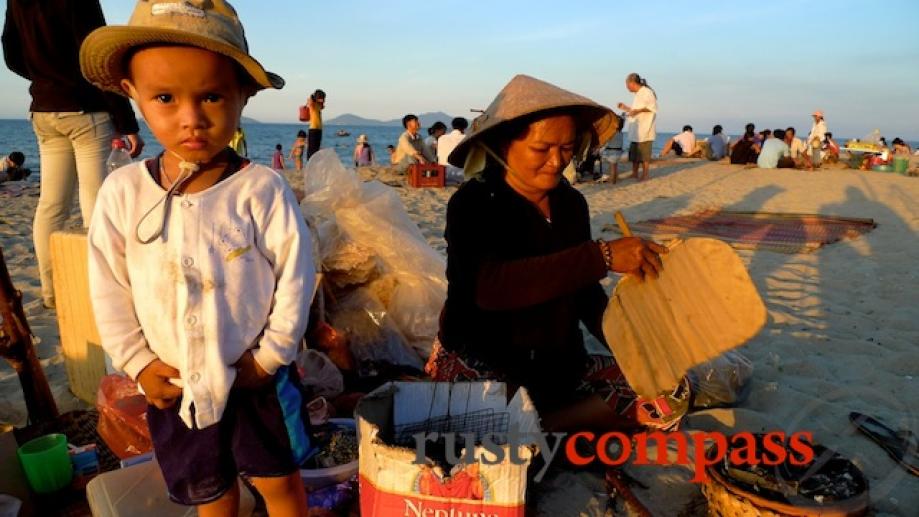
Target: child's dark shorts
<point>263,432</point>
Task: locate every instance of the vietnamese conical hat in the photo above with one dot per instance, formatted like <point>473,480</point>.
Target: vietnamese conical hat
<point>524,96</point>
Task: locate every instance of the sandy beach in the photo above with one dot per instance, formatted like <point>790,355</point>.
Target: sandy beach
<point>842,334</point>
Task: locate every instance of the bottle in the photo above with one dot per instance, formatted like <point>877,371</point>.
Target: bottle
<point>119,157</point>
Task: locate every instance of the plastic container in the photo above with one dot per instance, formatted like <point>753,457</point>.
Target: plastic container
<point>901,164</point>
<point>882,168</point>
<point>314,479</point>
<point>46,462</point>
<point>139,491</point>
<point>119,157</point>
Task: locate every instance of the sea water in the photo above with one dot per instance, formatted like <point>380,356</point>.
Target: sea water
<point>17,135</point>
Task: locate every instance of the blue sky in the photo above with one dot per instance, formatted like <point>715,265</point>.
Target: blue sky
<point>771,63</point>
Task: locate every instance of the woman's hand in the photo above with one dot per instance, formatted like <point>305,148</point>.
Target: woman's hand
<point>636,256</point>
<point>249,373</point>
<point>154,380</point>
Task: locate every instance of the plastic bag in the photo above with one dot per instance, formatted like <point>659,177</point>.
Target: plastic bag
<point>328,185</point>
<point>320,374</point>
<point>721,382</point>
<point>123,417</point>
<point>372,335</point>
<point>366,235</point>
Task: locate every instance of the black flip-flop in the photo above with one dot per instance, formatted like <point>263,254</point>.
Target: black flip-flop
<point>902,446</point>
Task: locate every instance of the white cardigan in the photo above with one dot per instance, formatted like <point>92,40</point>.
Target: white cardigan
<point>232,271</point>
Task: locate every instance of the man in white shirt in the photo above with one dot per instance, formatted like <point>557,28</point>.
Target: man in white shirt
<point>447,143</point>
<point>683,144</point>
<point>642,119</point>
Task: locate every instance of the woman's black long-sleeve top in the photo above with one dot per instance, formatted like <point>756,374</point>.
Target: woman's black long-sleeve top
<point>519,285</point>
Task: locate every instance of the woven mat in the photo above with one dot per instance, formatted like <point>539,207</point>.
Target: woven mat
<point>785,233</point>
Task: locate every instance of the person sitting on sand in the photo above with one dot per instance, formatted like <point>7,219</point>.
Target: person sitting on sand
<point>522,270</point>
<point>11,167</point>
<point>718,144</point>
<point>901,148</point>
<point>830,148</point>
<point>410,148</point>
<point>745,150</point>
<point>437,130</point>
<point>204,305</point>
<point>683,144</point>
<point>447,143</point>
<point>795,145</point>
<point>363,153</point>
<point>775,153</point>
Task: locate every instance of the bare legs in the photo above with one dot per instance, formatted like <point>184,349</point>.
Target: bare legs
<point>284,497</point>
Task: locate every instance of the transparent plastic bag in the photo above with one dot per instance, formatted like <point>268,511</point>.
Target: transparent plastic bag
<point>365,234</point>
<point>328,185</point>
<point>721,382</point>
<point>319,374</point>
<point>372,335</point>
<point>123,417</point>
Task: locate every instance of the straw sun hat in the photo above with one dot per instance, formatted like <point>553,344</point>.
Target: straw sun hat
<point>209,24</point>
<point>521,97</point>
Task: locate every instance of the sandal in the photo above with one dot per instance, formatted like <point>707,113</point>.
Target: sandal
<point>902,446</point>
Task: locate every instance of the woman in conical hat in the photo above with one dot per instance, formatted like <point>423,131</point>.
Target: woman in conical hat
<point>522,269</point>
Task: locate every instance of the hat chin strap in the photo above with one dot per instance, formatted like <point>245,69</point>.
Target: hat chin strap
<point>187,169</point>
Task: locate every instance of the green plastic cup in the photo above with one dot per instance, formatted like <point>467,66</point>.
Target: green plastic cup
<point>46,463</point>
<point>901,164</point>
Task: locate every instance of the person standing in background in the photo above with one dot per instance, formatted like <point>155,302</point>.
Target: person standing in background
<point>277,160</point>
<point>296,150</point>
<point>643,121</point>
<point>73,121</point>
<point>363,153</point>
<point>238,142</point>
<point>316,104</point>
<point>815,139</point>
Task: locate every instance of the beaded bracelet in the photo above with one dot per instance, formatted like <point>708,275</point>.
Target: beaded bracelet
<point>607,252</point>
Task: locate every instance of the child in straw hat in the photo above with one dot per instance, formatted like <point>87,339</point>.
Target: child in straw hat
<point>200,262</point>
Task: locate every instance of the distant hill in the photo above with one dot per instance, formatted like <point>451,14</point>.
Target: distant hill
<point>426,119</point>
<point>247,120</point>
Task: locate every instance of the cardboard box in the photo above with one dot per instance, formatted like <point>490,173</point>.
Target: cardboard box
<point>427,175</point>
<point>83,356</point>
<point>392,483</point>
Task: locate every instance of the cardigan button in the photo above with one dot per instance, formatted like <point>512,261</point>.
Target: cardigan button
<point>188,262</point>
<point>186,203</point>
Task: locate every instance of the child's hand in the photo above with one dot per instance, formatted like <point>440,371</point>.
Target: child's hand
<point>249,373</point>
<point>154,379</point>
